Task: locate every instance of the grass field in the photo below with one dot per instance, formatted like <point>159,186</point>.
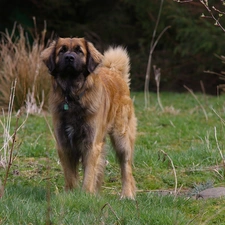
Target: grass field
<point>177,150</point>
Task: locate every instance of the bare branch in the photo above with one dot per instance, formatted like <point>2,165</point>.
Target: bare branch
<point>217,23</point>
<point>217,10</point>
<point>152,46</point>
<point>206,5</point>
<point>184,1</point>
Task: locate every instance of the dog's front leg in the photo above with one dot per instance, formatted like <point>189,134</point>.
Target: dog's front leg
<point>93,163</point>
<point>70,168</point>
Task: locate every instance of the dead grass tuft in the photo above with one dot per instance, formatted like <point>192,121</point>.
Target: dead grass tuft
<point>20,60</point>
<point>171,110</point>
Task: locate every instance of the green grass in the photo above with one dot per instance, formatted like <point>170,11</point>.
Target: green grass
<point>181,131</point>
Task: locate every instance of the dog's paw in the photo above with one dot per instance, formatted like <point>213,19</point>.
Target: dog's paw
<point>128,194</point>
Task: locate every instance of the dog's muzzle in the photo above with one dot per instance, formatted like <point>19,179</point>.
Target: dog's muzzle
<point>69,58</point>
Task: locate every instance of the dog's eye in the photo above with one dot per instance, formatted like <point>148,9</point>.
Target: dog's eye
<point>63,49</point>
<point>78,50</point>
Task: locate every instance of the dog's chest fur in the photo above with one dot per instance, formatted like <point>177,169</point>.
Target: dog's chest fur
<point>73,131</point>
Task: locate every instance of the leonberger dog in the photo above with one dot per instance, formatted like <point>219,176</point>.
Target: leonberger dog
<point>90,98</point>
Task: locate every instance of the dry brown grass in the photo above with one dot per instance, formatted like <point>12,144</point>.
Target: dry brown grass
<point>20,60</point>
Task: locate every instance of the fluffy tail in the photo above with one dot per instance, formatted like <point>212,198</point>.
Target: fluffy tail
<point>116,58</point>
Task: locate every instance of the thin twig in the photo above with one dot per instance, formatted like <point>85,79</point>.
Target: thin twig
<point>203,109</point>
<point>110,207</point>
<point>218,147</point>
<point>48,182</point>
<point>203,91</point>
<point>212,72</point>
<point>1,189</point>
<point>221,119</point>
<point>203,87</point>
<point>214,215</point>
<point>217,10</point>
<point>174,171</point>
<point>11,152</point>
<point>49,127</point>
<point>184,1</point>
<point>157,73</point>
<point>48,194</point>
<point>137,207</point>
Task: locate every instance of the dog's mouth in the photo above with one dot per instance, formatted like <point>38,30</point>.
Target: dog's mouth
<point>71,76</point>
<point>69,68</point>
<point>69,71</point>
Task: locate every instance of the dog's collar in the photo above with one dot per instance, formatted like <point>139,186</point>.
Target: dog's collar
<point>68,99</point>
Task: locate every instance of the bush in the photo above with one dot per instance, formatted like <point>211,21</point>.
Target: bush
<point>20,61</point>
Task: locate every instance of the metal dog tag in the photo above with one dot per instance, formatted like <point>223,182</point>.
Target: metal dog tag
<point>66,106</point>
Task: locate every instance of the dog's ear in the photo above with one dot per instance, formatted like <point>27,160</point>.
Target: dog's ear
<point>94,57</point>
<point>48,57</point>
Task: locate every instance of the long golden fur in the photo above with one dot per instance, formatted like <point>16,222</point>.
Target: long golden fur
<point>90,98</point>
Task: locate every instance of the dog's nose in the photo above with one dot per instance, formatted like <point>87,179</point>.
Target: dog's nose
<point>69,58</point>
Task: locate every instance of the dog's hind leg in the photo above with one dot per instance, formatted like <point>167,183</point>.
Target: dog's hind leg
<point>124,154</point>
<point>123,138</point>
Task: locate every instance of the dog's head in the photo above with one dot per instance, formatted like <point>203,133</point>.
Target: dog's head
<point>71,57</point>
